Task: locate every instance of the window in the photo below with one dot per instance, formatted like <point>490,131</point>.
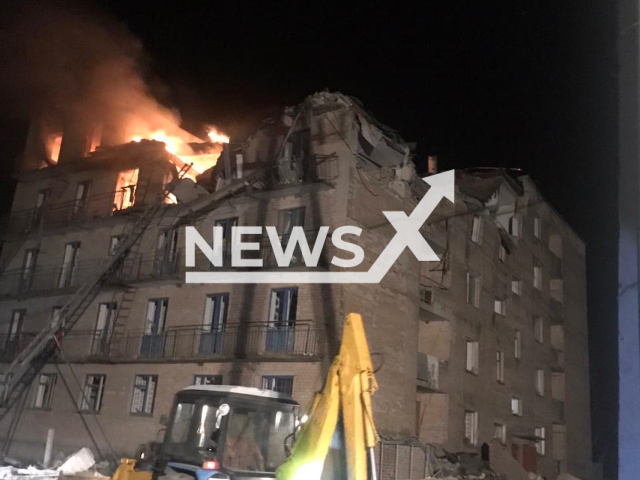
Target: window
<point>153,340</point>
<point>156,316</point>
<point>500,366</point>
<point>207,379</point>
<point>289,219</point>
<point>91,401</point>
<point>537,277</point>
<point>537,227</point>
<point>538,327</point>
<point>540,440</point>
<point>227,225</point>
<point>215,312</point>
<point>502,253</point>
<point>126,185</point>
<point>426,294</point>
<point>44,391</point>
<point>41,204</point>
<point>15,327</point>
<point>113,243</point>
<point>540,382</point>
<point>472,364</point>
<point>514,226</point>
<point>283,307</point>
<point>500,432</point>
<point>500,306</point>
<point>278,383</point>
<point>69,264</point>
<point>107,313</point>
<point>516,406</point>
<point>477,229</point>
<point>517,345</point>
<point>473,290</point>
<point>144,394</point>
<point>82,194</point>
<point>166,252</point>
<point>516,286</point>
<point>471,427</point>
<point>28,269</point>
<point>55,314</point>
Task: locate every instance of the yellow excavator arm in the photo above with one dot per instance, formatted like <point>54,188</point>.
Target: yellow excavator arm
<point>347,393</point>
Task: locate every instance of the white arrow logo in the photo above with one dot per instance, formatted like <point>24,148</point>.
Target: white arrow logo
<point>407,235</point>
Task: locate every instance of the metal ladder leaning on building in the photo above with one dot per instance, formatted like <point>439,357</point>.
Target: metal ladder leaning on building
<point>30,361</point>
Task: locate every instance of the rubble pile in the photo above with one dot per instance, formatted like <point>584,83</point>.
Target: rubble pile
<point>81,464</point>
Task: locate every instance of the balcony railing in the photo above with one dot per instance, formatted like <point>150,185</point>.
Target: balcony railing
<point>189,343</point>
<point>50,216</point>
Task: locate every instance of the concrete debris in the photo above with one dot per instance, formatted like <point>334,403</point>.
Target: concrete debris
<point>80,461</point>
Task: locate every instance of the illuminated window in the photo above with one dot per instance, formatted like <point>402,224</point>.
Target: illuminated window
<point>500,432</point>
<point>125,196</point>
<point>540,440</point>
<point>516,406</point>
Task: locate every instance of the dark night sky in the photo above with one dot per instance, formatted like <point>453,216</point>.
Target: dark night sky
<point>520,84</point>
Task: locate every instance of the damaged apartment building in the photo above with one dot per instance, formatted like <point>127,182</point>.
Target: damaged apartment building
<point>486,346</point>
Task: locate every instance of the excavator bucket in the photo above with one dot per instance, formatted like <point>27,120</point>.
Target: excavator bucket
<point>347,393</point>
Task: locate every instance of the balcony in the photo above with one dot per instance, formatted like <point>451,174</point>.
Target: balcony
<point>103,205</point>
<point>253,340</point>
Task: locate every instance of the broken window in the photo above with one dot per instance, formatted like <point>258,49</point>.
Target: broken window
<point>540,440</point>
<point>278,383</point>
<point>93,391</point>
<point>540,382</point>
<point>69,264</point>
<point>473,290</point>
<point>477,229</point>
<point>500,366</point>
<point>28,269</point>
<point>288,219</point>
<point>113,243</point>
<point>500,306</point>
<point>537,277</point>
<point>517,345</point>
<point>471,427</point>
<point>516,406</point>
<point>538,328</point>
<point>473,357</point>
<point>207,379</point>
<point>82,195</point>
<point>500,433</point>
<point>43,395</point>
<point>126,185</point>
<point>144,394</point>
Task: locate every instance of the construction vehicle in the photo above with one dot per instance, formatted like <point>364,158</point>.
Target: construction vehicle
<point>236,433</point>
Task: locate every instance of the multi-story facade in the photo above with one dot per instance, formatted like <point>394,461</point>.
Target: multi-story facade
<point>489,342</point>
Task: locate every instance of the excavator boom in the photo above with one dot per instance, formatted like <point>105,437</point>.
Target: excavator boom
<point>346,396</point>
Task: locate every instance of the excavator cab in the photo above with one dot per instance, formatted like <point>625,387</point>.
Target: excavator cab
<point>221,431</point>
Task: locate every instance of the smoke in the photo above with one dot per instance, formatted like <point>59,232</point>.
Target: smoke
<point>79,63</point>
